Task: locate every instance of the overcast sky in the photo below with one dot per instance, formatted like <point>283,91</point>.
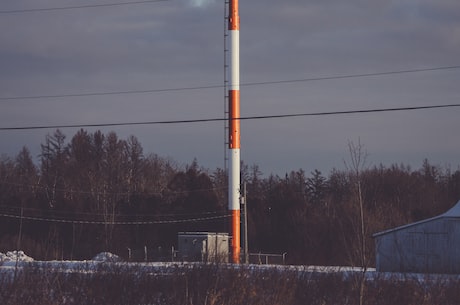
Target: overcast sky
<point>180,44</point>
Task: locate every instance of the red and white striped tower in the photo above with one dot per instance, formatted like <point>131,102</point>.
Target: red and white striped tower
<point>234,129</point>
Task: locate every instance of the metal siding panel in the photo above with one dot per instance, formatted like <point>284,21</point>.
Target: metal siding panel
<point>454,246</point>
<point>388,256</point>
<point>430,246</point>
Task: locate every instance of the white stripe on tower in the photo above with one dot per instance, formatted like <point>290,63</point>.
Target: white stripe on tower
<point>234,130</point>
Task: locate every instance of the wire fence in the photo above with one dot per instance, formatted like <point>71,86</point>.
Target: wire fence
<point>160,254</point>
<point>267,259</point>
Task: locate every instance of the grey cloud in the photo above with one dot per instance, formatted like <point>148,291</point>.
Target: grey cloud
<point>180,44</point>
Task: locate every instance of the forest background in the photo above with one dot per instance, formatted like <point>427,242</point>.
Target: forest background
<point>98,193</point>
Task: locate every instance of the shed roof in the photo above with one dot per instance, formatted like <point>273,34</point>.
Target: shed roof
<point>453,212</point>
<point>201,234</point>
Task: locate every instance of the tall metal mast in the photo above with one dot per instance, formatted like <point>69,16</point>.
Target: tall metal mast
<point>234,135</point>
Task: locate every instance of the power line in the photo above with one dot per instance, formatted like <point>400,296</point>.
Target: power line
<point>152,222</point>
<point>223,119</point>
<point>165,192</point>
<point>47,9</point>
<point>70,214</point>
<point>109,93</point>
<point>353,76</point>
<point>334,77</point>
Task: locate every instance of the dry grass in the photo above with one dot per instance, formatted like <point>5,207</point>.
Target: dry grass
<point>129,284</point>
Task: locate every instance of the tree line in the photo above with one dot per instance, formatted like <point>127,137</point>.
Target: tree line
<point>97,192</point>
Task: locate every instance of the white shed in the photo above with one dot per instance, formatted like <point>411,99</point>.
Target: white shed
<point>427,246</point>
<point>203,246</point>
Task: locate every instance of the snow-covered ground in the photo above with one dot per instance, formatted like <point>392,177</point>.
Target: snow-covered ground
<point>13,260</point>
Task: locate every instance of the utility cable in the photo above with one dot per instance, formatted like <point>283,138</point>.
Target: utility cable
<point>152,222</point>
<point>334,77</point>
<point>35,10</point>
<point>71,214</point>
<point>223,119</point>
<point>164,192</point>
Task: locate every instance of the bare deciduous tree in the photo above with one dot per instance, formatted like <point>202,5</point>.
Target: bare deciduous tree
<point>358,158</point>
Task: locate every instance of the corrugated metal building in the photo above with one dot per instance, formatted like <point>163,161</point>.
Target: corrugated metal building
<point>203,246</point>
<point>427,246</point>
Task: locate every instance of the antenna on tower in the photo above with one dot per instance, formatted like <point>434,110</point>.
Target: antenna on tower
<point>226,52</point>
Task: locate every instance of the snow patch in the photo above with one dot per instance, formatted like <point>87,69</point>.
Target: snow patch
<point>15,256</point>
<point>107,257</point>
